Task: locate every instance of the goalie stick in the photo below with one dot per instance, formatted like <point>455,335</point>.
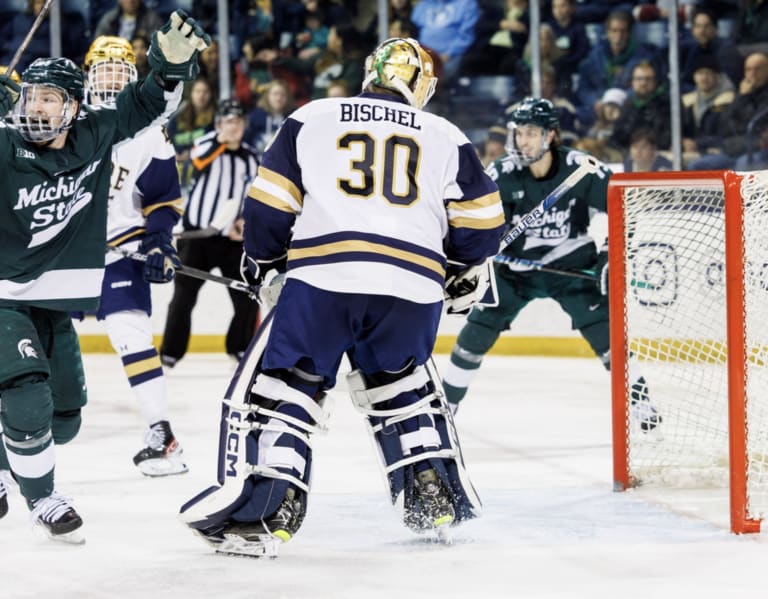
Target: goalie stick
<point>193,272</point>
<point>35,25</point>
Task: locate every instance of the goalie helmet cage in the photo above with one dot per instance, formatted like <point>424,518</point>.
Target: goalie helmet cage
<point>689,304</point>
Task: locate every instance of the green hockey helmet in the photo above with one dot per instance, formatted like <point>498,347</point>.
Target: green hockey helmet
<point>536,112</point>
<point>60,72</point>
<point>48,82</point>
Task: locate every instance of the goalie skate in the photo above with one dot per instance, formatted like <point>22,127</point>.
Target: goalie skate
<point>55,517</point>
<point>428,506</point>
<point>263,545</point>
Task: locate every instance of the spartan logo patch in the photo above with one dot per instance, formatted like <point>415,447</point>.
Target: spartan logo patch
<point>26,349</point>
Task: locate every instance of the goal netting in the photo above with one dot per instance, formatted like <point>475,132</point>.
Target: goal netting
<point>689,310</point>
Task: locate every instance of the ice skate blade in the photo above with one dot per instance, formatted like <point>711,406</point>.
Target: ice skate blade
<point>265,546</point>
<point>158,467</point>
<point>74,537</point>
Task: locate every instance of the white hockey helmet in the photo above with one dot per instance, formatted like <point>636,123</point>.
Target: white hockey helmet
<point>402,65</point>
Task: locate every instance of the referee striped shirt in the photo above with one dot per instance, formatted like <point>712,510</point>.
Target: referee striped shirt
<point>219,174</point>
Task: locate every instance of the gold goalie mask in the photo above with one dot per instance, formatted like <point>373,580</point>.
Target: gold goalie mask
<point>402,65</point>
<point>111,65</point>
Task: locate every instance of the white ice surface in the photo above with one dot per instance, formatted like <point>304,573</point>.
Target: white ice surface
<point>536,436</point>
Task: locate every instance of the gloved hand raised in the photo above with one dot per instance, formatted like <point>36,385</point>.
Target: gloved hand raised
<point>9,94</point>
<point>175,47</point>
<point>162,259</point>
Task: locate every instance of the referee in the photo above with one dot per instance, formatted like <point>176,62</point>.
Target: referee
<point>223,167</point>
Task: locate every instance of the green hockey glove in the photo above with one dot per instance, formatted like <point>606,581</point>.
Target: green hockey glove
<point>9,94</point>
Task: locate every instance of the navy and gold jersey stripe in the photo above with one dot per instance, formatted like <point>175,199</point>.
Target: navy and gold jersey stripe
<point>126,235</point>
<point>353,246</point>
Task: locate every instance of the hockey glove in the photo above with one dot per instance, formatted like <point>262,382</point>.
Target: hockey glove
<point>253,273</point>
<point>9,94</point>
<point>162,259</point>
<point>175,47</point>
<point>466,286</point>
<point>601,270</point>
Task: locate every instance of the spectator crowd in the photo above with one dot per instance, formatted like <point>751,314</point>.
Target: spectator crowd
<point>603,64</point>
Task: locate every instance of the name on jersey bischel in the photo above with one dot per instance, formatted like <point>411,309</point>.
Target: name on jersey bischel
<point>365,113</point>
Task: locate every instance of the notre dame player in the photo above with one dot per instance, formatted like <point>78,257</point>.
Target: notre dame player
<point>53,210</point>
<point>144,205</point>
<point>535,164</point>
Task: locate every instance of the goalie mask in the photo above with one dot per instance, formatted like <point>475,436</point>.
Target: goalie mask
<point>111,65</point>
<point>528,130</point>
<point>402,65</point>
<point>51,93</point>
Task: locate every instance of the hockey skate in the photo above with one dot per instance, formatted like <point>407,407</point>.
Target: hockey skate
<point>642,412</point>
<point>5,481</point>
<point>58,520</point>
<point>428,506</point>
<point>162,454</point>
<point>262,539</point>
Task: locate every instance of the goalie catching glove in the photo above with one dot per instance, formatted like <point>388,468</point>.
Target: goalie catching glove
<point>162,259</point>
<point>175,47</point>
<point>466,286</point>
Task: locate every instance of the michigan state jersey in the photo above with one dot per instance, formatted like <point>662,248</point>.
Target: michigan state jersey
<point>381,213</point>
<point>53,203</point>
<point>562,230</point>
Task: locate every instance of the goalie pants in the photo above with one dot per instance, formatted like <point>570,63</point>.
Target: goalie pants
<point>42,391</point>
<point>207,254</point>
<point>314,328</point>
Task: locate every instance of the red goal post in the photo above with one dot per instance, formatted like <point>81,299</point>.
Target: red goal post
<point>688,281</point>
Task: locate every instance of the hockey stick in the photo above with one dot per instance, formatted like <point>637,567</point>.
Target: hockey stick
<point>588,166</point>
<point>579,273</point>
<point>35,25</point>
<point>225,216</point>
<point>539,266</point>
<point>192,272</point>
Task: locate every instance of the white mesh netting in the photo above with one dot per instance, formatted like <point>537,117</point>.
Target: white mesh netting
<point>676,329</point>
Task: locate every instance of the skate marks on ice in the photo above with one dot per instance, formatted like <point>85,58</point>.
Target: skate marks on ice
<point>551,526</point>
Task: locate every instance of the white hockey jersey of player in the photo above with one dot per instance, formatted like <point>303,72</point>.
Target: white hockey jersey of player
<point>144,181</point>
<point>374,195</point>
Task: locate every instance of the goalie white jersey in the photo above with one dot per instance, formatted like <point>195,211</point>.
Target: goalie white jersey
<point>383,214</point>
<point>144,191</point>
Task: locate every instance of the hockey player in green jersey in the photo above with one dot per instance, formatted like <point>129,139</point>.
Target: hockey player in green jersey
<point>536,163</point>
<point>53,208</point>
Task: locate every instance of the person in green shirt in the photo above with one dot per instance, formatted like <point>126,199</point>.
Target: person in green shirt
<point>53,214</point>
<point>537,163</point>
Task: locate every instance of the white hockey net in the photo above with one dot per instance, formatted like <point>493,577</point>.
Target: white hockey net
<point>671,291</point>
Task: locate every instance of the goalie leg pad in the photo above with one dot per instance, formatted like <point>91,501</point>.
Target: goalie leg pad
<point>265,447</point>
<point>413,430</point>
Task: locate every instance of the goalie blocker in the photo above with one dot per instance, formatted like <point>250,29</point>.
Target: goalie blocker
<point>265,452</point>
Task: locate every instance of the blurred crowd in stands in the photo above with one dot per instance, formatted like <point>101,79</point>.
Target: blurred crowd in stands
<point>604,64</point>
